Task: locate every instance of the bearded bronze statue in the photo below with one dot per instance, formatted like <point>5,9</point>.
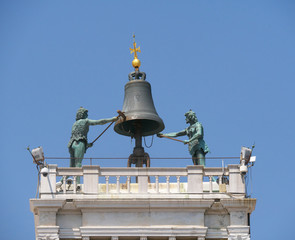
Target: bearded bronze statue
<point>195,132</point>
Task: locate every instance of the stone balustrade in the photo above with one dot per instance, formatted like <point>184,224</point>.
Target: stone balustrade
<point>193,202</point>
<point>96,181</point>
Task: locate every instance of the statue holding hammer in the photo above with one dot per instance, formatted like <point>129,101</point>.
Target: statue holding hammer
<point>196,144</point>
<point>78,143</point>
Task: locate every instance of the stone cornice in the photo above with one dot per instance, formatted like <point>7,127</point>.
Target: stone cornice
<point>196,205</point>
<point>48,204</point>
<point>247,204</point>
<point>158,231</point>
<point>238,230</point>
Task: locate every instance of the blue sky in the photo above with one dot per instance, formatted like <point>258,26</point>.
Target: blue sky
<point>232,62</point>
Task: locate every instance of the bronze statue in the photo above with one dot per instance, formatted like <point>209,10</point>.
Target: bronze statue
<point>78,143</point>
<point>196,144</point>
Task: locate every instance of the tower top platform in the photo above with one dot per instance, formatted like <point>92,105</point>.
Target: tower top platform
<point>142,203</point>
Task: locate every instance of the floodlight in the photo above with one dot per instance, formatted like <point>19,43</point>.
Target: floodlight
<point>246,154</point>
<point>38,155</point>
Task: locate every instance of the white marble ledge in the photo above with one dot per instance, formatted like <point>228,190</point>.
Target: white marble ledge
<point>144,196</point>
<point>158,231</point>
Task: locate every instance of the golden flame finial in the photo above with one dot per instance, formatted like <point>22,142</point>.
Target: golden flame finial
<point>135,62</point>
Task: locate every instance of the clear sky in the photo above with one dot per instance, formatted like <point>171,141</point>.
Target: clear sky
<point>232,62</point>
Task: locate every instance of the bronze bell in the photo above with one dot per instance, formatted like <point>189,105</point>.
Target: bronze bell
<point>141,118</point>
<point>139,109</point>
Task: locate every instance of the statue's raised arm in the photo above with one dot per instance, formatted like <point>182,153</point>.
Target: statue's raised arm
<point>173,134</point>
<point>102,121</point>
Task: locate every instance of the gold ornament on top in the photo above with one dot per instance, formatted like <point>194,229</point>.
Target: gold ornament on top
<point>136,61</point>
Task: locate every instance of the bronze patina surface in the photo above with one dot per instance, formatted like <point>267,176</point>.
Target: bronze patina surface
<point>195,132</point>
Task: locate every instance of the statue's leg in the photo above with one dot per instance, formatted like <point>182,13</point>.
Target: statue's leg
<point>194,158</point>
<point>201,160</point>
<point>79,150</point>
<point>72,156</point>
<point>200,157</point>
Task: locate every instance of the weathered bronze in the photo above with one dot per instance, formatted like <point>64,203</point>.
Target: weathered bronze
<point>78,143</point>
<point>138,106</point>
<point>196,144</point>
<point>142,118</point>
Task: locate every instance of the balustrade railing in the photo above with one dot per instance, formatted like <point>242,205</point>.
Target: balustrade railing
<point>94,180</point>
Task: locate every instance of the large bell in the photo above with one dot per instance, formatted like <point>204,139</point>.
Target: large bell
<point>139,110</point>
